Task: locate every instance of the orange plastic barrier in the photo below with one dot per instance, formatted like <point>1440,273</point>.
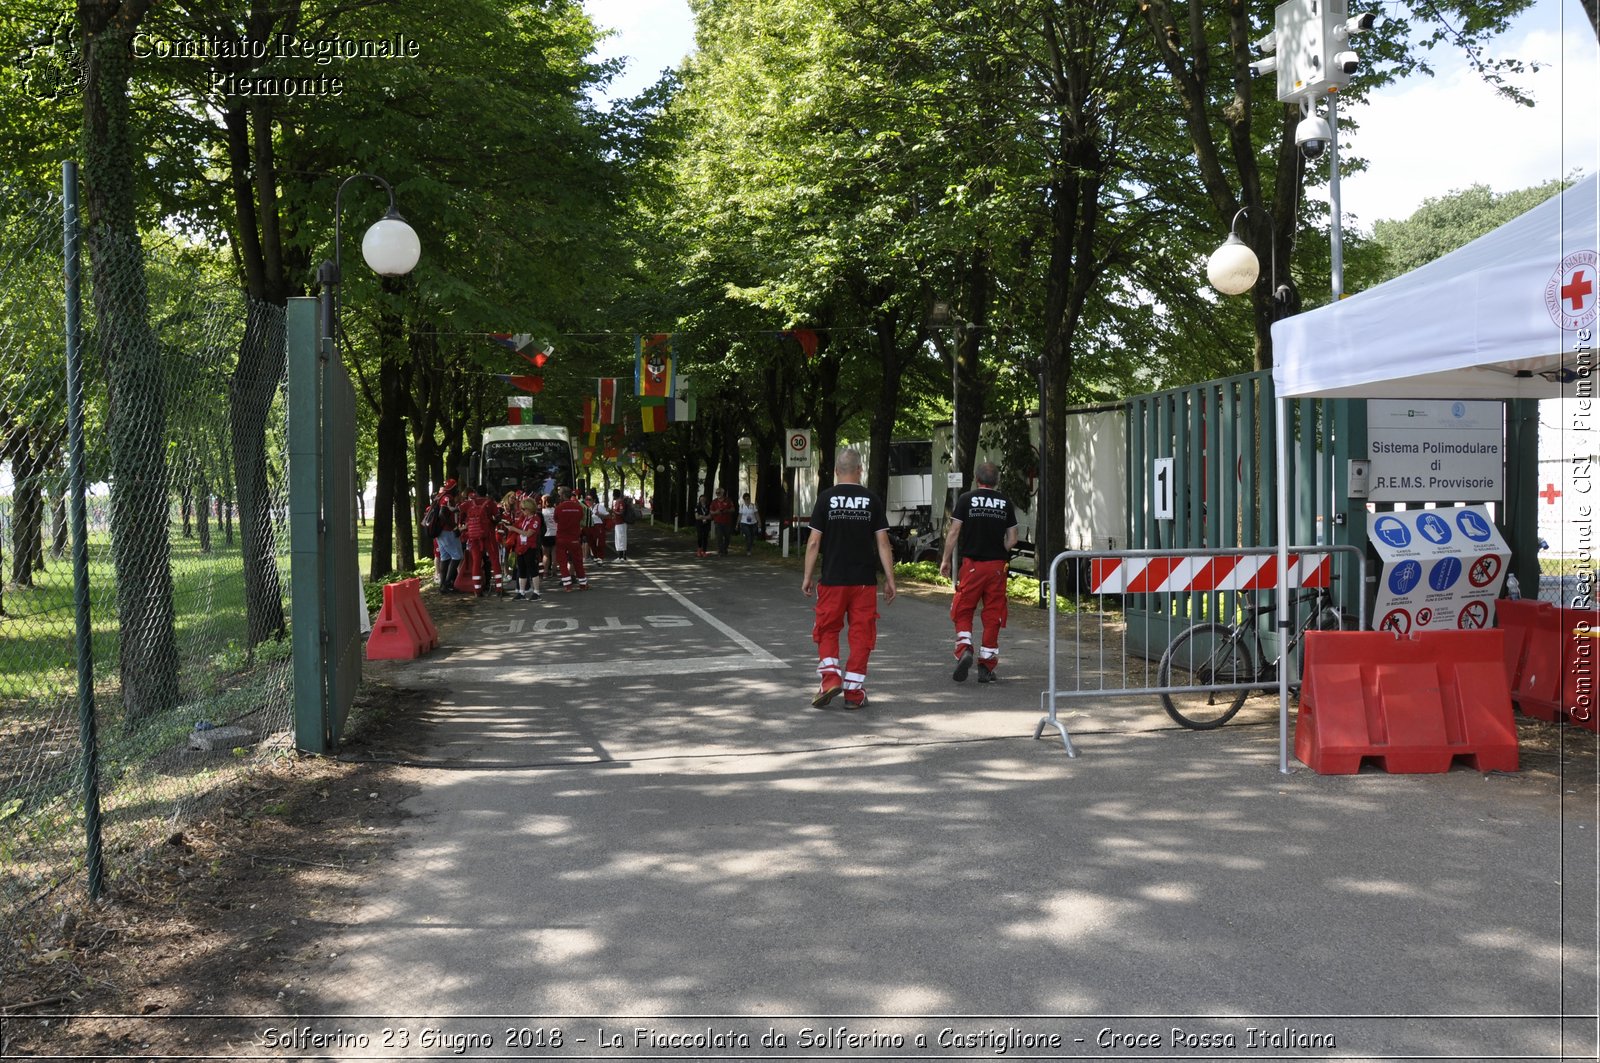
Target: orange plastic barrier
<point>1552,657</point>
<point>1413,704</point>
<point>403,630</point>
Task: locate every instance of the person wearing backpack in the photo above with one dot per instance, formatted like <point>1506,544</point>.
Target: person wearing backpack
<point>446,539</point>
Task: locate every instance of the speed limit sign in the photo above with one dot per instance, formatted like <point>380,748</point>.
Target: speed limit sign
<point>797,450</point>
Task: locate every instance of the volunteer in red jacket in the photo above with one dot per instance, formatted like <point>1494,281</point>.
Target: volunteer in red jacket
<point>985,526</point>
<point>571,518</point>
<point>522,539</point>
<point>850,530</point>
<point>481,514</point>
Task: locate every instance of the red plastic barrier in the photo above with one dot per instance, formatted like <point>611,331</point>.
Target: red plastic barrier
<point>1551,659</point>
<point>1413,704</point>
<point>403,630</point>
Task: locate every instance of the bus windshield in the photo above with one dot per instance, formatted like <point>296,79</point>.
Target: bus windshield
<point>526,465</point>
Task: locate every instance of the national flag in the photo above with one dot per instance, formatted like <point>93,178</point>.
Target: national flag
<point>514,342</point>
<point>515,404</point>
<point>608,400</point>
<point>806,338</point>
<point>611,453</point>
<point>535,384</point>
<point>588,415</point>
<point>653,416</point>
<point>538,358</point>
<point>588,455</point>
<point>682,410</point>
<point>652,366</point>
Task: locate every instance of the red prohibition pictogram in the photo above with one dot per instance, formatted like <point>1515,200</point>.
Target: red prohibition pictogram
<point>1473,615</point>
<point>1484,570</point>
<point>798,442</point>
<point>1398,620</point>
<point>1424,617</point>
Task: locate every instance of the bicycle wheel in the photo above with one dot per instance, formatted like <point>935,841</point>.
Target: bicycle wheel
<point>1203,656</point>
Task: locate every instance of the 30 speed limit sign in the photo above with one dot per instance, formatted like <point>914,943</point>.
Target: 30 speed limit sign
<point>797,451</point>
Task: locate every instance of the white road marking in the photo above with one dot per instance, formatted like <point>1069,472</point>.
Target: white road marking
<point>457,670</point>
<point>749,647</point>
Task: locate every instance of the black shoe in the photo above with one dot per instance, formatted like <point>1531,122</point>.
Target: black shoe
<point>963,666</point>
<point>985,674</point>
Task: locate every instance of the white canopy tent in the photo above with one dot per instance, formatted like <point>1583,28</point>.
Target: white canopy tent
<point>1510,315</point>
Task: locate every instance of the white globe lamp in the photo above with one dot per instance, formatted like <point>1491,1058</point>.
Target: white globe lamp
<point>391,247</point>
<point>1233,267</point>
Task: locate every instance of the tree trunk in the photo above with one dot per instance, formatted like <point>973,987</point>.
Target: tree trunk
<point>204,511</point>
<point>886,323</point>
<point>136,411</point>
<point>251,390</point>
<point>391,442</point>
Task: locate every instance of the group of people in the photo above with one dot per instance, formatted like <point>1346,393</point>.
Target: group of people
<point>849,531</point>
<point>718,515</point>
<point>482,544</point>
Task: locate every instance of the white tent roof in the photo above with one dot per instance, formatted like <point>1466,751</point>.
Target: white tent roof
<point>1498,318</point>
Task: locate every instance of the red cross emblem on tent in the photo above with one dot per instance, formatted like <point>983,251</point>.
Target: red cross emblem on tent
<point>1573,291</point>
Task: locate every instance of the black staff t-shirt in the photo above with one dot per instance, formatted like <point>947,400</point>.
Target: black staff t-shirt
<point>849,518</point>
<point>985,515</point>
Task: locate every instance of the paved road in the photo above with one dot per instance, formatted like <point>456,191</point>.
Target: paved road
<point>635,816</point>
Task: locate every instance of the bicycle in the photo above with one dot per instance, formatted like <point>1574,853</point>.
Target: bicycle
<point>1227,661</point>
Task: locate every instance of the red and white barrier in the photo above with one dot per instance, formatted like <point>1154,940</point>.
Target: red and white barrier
<point>1164,575</point>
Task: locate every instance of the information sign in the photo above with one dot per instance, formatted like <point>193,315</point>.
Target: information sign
<point>797,448</point>
<point>1442,568</point>
<point>1436,450</point>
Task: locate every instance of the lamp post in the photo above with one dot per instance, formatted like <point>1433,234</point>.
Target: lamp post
<point>390,247</point>
<point>1234,268</point>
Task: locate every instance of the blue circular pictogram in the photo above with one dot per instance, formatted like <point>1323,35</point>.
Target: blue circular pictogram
<point>1444,573</point>
<point>1433,528</point>
<point>1392,530</point>
<point>1473,526</point>
<point>1406,575</point>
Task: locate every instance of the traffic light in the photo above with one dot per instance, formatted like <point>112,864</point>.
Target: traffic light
<point>1309,49</point>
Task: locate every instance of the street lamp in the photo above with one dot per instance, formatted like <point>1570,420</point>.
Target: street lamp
<point>390,247</point>
<point>1233,268</point>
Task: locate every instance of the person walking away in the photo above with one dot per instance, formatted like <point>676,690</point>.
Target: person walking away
<point>599,524</point>
<point>748,518</point>
<point>522,539</point>
<point>984,525</point>
<point>850,530</point>
<point>702,526</point>
<point>722,517</point>
<point>447,540</point>
<point>621,512</point>
<point>570,520</point>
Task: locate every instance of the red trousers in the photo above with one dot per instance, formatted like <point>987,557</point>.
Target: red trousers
<point>569,562</point>
<point>835,605</point>
<point>981,581</point>
<point>472,576</point>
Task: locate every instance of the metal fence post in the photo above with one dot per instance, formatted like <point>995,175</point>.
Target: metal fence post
<point>79,517</point>
<point>305,526</point>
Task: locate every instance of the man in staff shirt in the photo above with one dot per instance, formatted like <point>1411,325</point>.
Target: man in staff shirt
<point>985,525</point>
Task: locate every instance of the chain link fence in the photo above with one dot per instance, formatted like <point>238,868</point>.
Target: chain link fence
<point>188,548</point>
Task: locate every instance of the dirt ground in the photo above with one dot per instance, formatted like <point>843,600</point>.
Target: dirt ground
<point>224,918</point>
<point>227,916</point>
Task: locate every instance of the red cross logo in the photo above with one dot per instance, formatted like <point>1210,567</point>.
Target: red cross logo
<point>1550,494</point>
<point>1576,291</point>
<point>1569,295</point>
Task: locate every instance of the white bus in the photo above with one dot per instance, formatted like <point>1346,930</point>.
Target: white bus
<point>525,457</point>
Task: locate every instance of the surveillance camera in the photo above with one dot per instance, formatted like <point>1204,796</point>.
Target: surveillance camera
<point>1362,22</point>
<point>1346,62</point>
<point>1264,66</point>
<point>1313,136</point>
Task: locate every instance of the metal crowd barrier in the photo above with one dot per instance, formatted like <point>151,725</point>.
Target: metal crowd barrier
<point>1205,580</point>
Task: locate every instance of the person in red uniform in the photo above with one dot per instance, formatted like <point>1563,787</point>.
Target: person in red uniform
<point>850,530</point>
<point>984,525</point>
<point>570,517</point>
<point>522,533</point>
<point>722,510</point>
<point>480,515</point>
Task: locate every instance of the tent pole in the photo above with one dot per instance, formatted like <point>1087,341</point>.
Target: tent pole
<point>1282,478</point>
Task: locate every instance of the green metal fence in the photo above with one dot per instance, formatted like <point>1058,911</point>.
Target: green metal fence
<point>118,688</point>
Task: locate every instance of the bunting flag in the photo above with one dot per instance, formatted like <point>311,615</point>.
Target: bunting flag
<point>588,415</point>
<point>608,400</point>
<point>513,342</point>
<point>806,338</point>
<point>515,404</point>
<point>652,365</point>
<point>653,415</point>
<point>611,453</point>
<point>538,358</point>
<point>682,409</point>
<point>588,455</point>
<point>534,384</point>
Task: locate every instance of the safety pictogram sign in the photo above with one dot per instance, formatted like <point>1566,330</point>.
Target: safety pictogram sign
<point>1442,568</point>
